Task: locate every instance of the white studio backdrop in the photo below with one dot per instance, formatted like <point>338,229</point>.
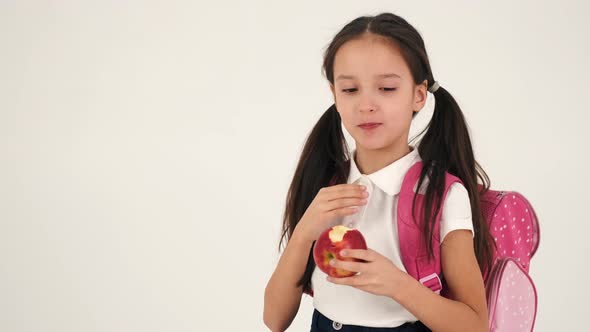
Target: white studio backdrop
<point>146,148</point>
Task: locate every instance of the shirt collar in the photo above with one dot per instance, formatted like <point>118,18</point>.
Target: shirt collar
<point>389,178</point>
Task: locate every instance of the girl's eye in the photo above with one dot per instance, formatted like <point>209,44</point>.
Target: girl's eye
<point>354,89</point>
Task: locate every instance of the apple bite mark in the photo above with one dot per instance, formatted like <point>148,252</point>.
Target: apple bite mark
<point>338,232</point>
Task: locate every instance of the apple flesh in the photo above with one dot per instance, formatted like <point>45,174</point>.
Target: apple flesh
<point>331,242</point>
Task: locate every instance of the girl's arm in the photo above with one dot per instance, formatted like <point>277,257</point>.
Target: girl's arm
<point>282,297</point>
<point>467,311</point>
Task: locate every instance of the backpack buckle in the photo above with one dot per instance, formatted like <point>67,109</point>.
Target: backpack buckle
<point>433,282</point>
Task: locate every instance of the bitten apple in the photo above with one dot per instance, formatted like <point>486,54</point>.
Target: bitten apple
<point>331,242</point>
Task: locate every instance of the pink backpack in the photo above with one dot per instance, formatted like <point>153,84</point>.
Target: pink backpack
<point>510,291</point>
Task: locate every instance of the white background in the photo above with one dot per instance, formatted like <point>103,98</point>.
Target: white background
<point>146,148</point>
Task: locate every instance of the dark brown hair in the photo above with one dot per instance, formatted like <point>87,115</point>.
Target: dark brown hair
<point>445,146</point>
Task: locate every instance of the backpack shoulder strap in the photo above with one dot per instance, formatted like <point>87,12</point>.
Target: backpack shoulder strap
<point>412,247</point>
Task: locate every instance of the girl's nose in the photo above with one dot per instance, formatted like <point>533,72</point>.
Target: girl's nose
<point>367,109</point>
<point>366,104</point>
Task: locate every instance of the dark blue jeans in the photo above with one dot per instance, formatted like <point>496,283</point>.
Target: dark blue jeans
<point>321,323</point>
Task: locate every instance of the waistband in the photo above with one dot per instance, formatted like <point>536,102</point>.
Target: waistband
<point>323,323</point>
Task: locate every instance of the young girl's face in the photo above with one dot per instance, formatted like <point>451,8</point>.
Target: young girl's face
<point>373,83</point>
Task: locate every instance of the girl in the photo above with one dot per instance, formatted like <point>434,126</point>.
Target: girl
<point>380,77</point>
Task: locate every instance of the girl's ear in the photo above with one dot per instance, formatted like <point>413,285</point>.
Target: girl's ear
<point>420,92</point>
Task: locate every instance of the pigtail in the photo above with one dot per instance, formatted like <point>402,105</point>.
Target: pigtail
<point>324,156</point>
<point>446,146</point>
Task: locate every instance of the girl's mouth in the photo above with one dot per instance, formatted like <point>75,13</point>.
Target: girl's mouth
<point>367,127</point>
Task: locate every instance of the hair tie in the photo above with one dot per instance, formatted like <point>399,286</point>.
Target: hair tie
<point>434,87</point>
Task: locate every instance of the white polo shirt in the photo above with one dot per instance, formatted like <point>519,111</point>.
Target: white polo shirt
<point>376,220</point>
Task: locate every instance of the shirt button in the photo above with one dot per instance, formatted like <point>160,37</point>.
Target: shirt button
<point>350,225</point>
<point>336,325</point>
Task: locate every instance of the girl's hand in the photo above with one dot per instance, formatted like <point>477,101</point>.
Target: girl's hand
<point>378,275</point>
<point>330,203</point>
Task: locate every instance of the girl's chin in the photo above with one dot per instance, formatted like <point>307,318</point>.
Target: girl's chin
<point>370,144</point>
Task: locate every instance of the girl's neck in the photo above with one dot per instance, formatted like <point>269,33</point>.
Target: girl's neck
<point>370,161</point>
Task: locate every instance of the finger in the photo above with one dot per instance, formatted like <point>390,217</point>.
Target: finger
<point>344,191</point>
<point>345,202</point>
<point>348,266</point>
<point>345,211</point>
<point>367,255</point>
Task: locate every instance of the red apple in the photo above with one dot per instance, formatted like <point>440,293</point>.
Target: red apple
<point>329,245</point>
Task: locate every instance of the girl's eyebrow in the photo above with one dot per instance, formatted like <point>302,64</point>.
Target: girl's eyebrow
<point>350,77</point>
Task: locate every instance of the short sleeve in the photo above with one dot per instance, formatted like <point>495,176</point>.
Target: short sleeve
<point>456,212</point>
